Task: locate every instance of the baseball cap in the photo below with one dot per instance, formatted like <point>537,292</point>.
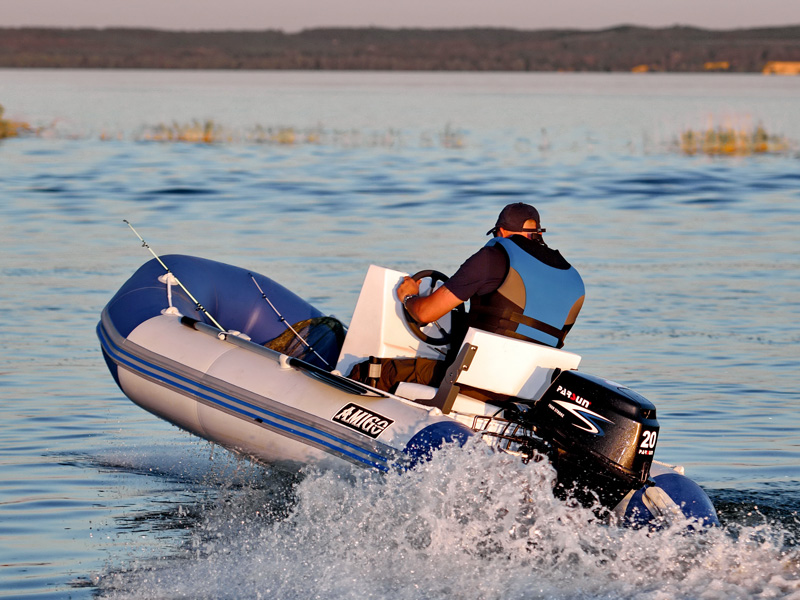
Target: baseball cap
<point>513,218</point>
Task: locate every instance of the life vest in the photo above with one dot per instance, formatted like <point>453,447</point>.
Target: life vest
<point>537,301</point>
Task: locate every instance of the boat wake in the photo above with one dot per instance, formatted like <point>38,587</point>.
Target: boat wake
<point>468,524</point>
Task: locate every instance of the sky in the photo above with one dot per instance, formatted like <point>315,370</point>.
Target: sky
<point>295,15</point>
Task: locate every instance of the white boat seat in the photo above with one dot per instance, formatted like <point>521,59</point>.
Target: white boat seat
<point>501,365</point>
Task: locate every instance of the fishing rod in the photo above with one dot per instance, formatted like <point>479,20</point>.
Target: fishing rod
<point>286,323</point>
<point>197,304</point>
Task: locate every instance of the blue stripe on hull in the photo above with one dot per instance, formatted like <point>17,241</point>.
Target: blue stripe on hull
<point>288,427</point>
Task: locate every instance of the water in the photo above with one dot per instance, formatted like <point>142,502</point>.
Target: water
<point>690,265</point>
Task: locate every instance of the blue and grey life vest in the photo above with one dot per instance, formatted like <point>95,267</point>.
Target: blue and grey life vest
<point>538,300</point>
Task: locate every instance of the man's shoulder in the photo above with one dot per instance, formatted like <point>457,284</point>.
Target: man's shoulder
<point>489,257</point>
<point>480,273</point>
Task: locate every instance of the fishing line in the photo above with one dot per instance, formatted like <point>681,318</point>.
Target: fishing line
<point>286,323</point>
<point>197,304</point>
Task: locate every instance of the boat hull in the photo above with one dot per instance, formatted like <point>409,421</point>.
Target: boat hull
<point>248,400</point>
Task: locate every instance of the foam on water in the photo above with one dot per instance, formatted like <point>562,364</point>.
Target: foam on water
<point>469,524</point>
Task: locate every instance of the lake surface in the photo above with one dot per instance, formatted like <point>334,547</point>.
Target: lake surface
<point>693,299</point>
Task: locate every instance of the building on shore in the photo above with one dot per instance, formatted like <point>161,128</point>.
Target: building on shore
<point>779,67</point>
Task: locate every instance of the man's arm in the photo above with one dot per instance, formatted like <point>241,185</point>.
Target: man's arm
<point>426,309</point>
<point>481,273</point>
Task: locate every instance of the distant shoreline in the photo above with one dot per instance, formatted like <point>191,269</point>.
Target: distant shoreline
<point>619,49</point>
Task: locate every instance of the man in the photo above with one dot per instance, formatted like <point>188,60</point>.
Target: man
<point>516,284</point>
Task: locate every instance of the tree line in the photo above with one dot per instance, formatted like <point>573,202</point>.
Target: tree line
<point>624,48</point>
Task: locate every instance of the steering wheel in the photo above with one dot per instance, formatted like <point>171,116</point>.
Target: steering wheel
<point>457,313</point>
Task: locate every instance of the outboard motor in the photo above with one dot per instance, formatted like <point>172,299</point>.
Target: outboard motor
<point>600,436</point>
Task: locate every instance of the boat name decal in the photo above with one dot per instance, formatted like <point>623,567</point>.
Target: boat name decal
<point>362,420</point>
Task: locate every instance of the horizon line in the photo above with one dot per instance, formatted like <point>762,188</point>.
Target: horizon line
<point>388,28</point>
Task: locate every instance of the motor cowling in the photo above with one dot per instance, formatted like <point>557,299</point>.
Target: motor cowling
<point>602,435</point>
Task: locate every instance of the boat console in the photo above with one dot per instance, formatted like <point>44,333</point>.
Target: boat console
<point>380,329</point>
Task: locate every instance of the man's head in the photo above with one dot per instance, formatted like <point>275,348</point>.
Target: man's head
<point>518,218</point>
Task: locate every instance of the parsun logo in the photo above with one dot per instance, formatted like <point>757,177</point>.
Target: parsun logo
<point>578,407</point>
<point>573,396</point>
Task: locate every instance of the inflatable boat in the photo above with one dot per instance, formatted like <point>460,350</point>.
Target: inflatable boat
<point>234,357</point>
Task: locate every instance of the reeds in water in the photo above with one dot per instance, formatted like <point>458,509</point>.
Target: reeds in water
<point>9,128</point>
<point>204,132</point>
<point>209,132</point>
<point>728,141</point>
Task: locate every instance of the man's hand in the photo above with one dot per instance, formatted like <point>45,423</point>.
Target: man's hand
<point>407,287</point>
<point>426,309</point>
